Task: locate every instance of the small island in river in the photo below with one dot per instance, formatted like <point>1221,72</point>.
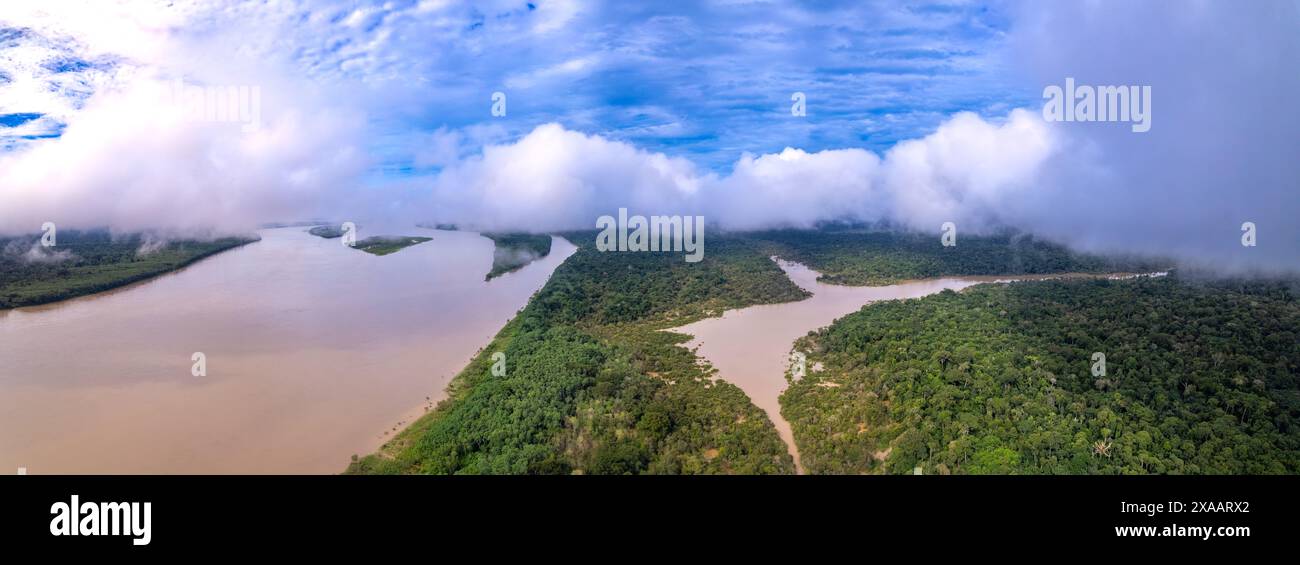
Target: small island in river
<point>515,250</point>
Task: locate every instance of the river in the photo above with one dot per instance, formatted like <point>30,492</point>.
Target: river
<point>751,347</point>
<point>314,352</point>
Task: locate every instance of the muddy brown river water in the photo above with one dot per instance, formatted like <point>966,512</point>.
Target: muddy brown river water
<point>751,347</point>
<point>313,352</point>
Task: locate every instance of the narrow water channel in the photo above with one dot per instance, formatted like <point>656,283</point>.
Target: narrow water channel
<point>751,347</point>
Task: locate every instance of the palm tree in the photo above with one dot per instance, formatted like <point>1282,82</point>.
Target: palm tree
<point>1101,447</point>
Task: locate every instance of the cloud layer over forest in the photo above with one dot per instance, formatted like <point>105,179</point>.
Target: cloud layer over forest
<point>916,116</point>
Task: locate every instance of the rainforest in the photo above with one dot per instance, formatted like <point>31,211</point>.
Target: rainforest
<point>993,379</point>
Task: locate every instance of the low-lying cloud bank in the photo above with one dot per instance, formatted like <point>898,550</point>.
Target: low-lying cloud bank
<point>128,163</point>
<point>556,179</point>
<point>1221,150</point>
<point>1020,172</point>
<point>1223,141</point>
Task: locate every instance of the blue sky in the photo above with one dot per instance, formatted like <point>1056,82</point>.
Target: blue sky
<point>712,82</point>
<point>708,81</point>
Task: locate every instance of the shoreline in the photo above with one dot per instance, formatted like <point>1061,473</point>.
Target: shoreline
<point>407,418</point>
<point>136,279</point>
<point>748,347</point>
<point>288,350</point>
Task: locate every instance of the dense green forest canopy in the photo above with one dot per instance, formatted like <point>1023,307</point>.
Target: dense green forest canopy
<point>858,257</point>
<point>590,384</point>
<point>86,262</point>
<point>1200,378</point>
<point>997,379</point>
<point>511,251</point>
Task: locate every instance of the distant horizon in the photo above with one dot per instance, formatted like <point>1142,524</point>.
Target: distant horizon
<point>542,116</point>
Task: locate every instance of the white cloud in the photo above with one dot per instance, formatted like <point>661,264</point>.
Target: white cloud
<point>126,162</point>
<point>554,178</point>
<point>135,29</point>
<point>565,70</point>
<point>1224,138</point>
<point>409,84</point>
<point>968,171</point>
<point>129,160</point>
